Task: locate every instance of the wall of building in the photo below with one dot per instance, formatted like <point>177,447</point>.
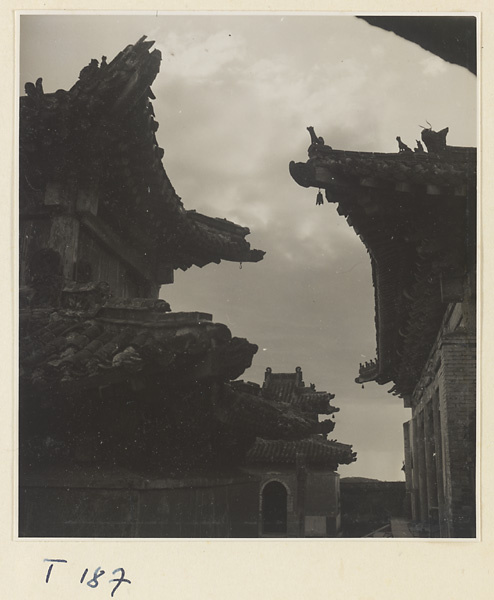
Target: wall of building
<point>106,266</point>
<point>288,478</point>
<point>440,438</point>
<point>322,503</point>
<point>313,503</point>
<point>368,505</point>
<point>184,508</point>
<point>34,234</point>
<point>64,218</point>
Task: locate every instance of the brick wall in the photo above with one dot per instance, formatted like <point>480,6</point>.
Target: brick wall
<point>441,463</point>
<point>457,396</point>
<point>186,508</point>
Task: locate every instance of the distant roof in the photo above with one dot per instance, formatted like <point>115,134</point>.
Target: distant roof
<point>102,133</point>
<point>299,407</point>
<point>290,389</point>
<point>314,451</point>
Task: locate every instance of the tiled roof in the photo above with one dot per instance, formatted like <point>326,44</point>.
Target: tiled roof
<point>415,213</point>
<point>326,167</point>
<point>266,419</point>
<point>169,372</point>
<point>284,415</point>
<point>123,338</point>
<point>289,388</point>
<point>102,131</point>
<point>314,402</point>
<point>314,450</point>
<point>283,390</point>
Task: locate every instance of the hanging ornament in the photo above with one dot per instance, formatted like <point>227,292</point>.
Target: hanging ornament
<point>319,199</point>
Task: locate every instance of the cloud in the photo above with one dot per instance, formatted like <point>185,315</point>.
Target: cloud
<point>199,57</point>
<point>433,65</point>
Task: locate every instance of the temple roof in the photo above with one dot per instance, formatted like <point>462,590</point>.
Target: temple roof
<point>101,134</point>
<point>313,451</point>
<point>415,213</point>
<point>91,342</point>
<point>287,393</point>
<point>80,345</point>
<point>267,419</point>
<point>289,389</point>
<point>400,171</point>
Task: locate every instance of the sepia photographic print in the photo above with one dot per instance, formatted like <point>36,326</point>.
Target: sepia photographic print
<point>247,276</point>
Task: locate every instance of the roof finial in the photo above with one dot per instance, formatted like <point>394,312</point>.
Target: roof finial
<point>402,147</point>
<point>435,141</point>
<point>313,137</point>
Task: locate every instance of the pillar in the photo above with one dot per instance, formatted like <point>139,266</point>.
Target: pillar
<point>430,465</point>
<point>415,469</point>
<point>438,443</point>
<point>422,475</point>
<point>457,405</point>
<point>407,437</point>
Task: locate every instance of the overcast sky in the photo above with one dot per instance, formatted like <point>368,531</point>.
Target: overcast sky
<point>233,98</point>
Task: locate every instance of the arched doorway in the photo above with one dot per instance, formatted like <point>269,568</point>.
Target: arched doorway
<point>274,508</point>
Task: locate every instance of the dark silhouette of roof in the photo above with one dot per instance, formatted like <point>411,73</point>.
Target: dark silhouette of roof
<point>75,348</point>
<point>415,213</point>
<point>103,131</point>
<point>288,392</point>
<point>452,38</point>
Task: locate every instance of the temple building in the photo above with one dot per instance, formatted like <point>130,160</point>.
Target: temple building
<point>128,423</point>
<point>415,212</point>
<point>299,495</point>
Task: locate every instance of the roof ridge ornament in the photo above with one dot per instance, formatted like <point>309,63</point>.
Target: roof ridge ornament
<point>435,141</point>
<point>419,149</point>
<point>316,142</point>
<point>313,137</point>
<point>402,147</point>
